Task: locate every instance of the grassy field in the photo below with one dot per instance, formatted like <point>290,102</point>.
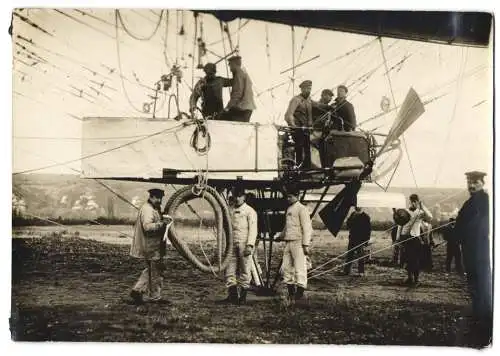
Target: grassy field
<point>72,285</point>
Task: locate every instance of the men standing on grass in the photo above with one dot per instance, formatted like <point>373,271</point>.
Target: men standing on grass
<point>149,231</point>
<point>239,270</point>
<point>472,230</point>
<point>297,235</point>
<point>360,229</point>
<point>410,236</point>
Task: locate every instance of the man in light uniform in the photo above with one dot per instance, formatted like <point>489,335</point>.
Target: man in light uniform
<point>410,234</point>
<point>147,244</point>
<point>239,270</point>
<point>297,235</point>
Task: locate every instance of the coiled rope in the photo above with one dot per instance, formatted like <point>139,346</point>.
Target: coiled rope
<point>223,226</point>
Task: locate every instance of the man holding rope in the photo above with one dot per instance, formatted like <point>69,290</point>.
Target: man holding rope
<point>147,244</point>
<point>410,236</point>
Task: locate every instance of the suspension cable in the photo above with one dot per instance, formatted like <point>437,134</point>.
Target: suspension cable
<point>145,38</point>
<point>395,104</point>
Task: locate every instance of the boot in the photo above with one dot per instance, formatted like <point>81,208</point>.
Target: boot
<point>291,290</point>
<point>243,297</point>
<point>232,296</point>
<point>300,293</point>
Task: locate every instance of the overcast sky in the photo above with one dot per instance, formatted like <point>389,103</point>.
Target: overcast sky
<point>453,135</point>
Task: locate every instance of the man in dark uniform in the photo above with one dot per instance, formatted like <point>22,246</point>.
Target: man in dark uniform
<point>344,109</point>
<point>322,119</point>
<point>453,251</point>
<point>299,116</point>
<point>360,229</point>
<point>472,231</point>
<point>209,89</point>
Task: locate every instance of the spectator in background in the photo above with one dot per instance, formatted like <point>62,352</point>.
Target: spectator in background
<point>453,250</point>
<point>360,228</point>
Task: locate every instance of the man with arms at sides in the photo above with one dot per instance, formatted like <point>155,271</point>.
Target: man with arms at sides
<point>297,235</point>
<point>299,116</point>
<point>239,270</point>
<point>472,230</point>
<point>360,229</point>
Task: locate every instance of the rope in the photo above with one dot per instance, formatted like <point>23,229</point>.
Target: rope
<point>395,104</point>
<point>117,15</point>
<point>458,89</point>
<point>165,56</point>
<point>383,232</point>
<point>224,45</point>
<point>222,219</point>
<point>377,251</point>
<point>175,128</point>
<point>195,43</point>
<point>201,129</point>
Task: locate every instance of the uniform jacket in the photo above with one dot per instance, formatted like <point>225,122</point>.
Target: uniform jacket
<point>298,225</point>
<point>299,112</point>
<point>417,216</point>
<point>345,110</point>
<point>242,92</point>
<point>210,90</point>
<point>244,221</point>
<point>359,226</point>
<point>148,233</point>
<point>472,229</point>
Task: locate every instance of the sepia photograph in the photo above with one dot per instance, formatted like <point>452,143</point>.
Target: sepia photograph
<point>253,176</point>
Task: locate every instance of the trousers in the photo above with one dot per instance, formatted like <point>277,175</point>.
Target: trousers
<point>153,272</point>
<point>353,254</point>
<point>412,251</point>
<point>302,148</point>
<point>294,264</point>
<point>239,269</point>
<point>453,252</point>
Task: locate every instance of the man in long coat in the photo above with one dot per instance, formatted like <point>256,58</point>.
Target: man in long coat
<point>149,231</point>
<point>472,231</point>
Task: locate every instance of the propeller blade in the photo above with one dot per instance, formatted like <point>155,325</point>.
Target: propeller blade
<point>409,112</point>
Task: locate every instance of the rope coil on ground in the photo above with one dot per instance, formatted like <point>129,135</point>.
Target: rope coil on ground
<point>222,220</point>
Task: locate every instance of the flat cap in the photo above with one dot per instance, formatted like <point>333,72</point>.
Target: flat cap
<point>327,91</point>
<point>305,83</point>
<point>238,191</point>
<point>155,192</point>
<point>342,86</point>
<point>234,58</point>
<point>475,175</point>
<point>210,67</point>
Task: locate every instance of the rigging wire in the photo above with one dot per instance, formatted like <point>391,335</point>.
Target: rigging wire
<point>175,128</point>
<point>145,38</point>
<point>120,66</point>
<point>303,44</point>
<point>195,42</point>
<point>224,45</point>
<point>395,104</point>
<point>463,65</point>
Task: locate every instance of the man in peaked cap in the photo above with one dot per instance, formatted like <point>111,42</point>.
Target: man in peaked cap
<point>297,235</point>
<point>239,269</point>
<point>241,103</point>
<point>299,116</point>
<point>148,235</point>
<point>344,109</point>
<point>209,89</point>
<point>472,231</point>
